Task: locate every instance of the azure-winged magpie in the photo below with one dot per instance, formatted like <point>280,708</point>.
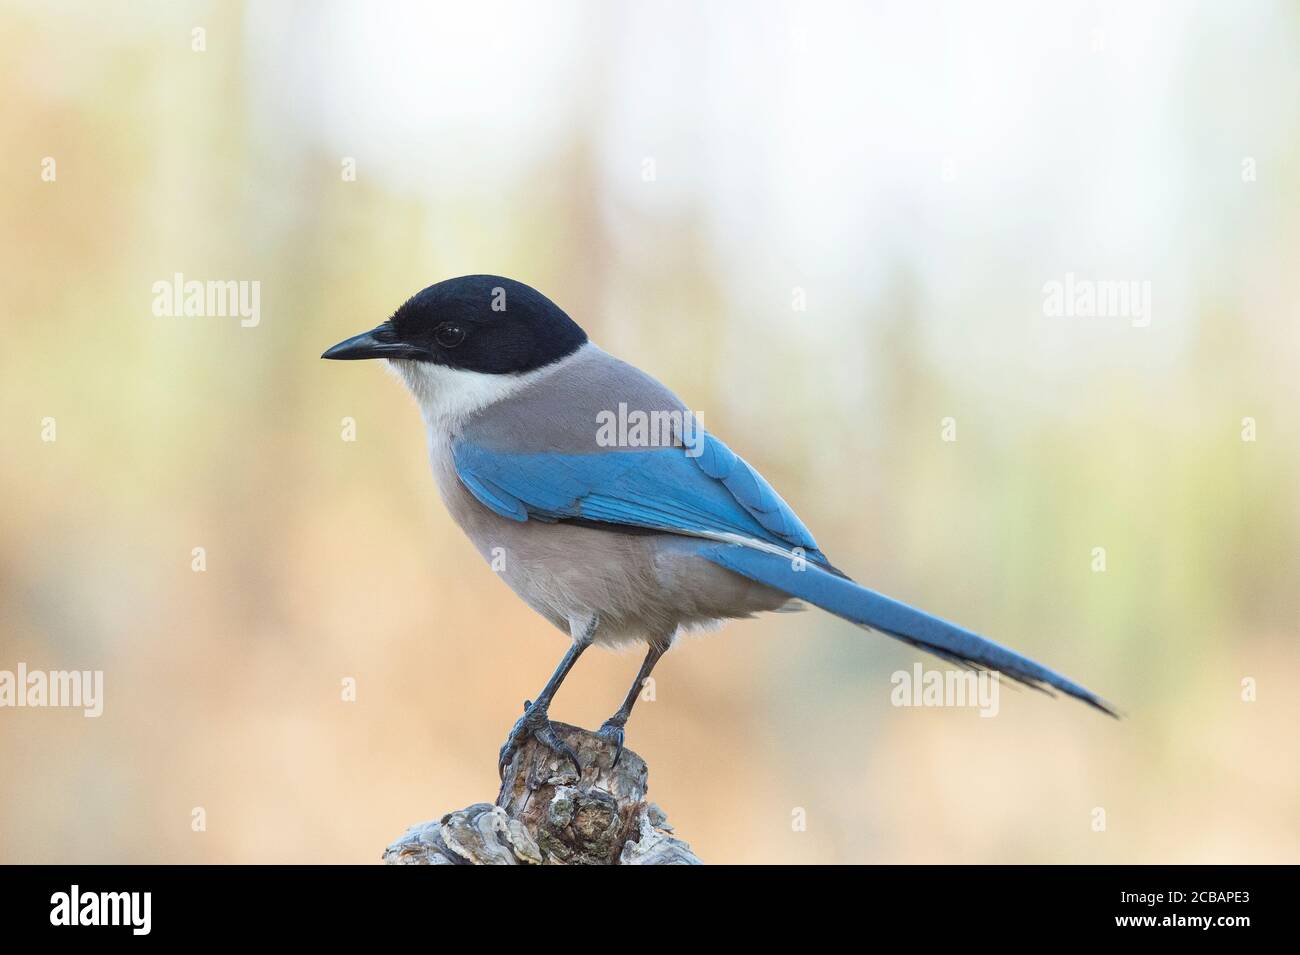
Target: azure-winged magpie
<point>611,535</point>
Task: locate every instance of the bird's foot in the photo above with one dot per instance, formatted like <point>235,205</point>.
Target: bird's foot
<point>535,723</point>
<point>612,731</point>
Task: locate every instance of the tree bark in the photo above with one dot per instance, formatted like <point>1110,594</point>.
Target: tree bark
<point>546,814</point>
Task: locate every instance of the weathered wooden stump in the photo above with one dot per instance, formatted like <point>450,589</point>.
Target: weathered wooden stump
<point>546,814</point>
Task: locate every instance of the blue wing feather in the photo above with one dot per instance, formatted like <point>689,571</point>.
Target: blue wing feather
<point>505,504</point>
<point>712,493</point>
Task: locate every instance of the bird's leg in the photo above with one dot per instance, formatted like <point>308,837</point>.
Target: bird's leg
<point>612,728</point>
<point>536,722</point>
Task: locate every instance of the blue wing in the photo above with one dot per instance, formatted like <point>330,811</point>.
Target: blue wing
<point>710,494</point>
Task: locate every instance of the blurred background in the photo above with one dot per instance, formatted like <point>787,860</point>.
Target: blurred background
<point>828,227</point>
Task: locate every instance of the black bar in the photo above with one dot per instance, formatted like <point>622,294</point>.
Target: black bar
<point>305,903</point>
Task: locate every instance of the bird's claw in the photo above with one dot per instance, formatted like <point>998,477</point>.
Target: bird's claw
<point>535,723</point>
<point>612,731</point>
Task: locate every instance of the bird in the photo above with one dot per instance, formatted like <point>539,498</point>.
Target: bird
<point>618,535</point>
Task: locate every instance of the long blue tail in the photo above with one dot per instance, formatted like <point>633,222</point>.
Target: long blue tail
<point>844,598</point>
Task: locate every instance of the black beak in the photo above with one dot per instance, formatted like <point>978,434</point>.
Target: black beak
<point>380,342</point>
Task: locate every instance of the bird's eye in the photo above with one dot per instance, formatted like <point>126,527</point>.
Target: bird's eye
<point>448,335</point>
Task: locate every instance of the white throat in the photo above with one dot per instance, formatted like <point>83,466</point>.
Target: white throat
<point>449,396</point>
